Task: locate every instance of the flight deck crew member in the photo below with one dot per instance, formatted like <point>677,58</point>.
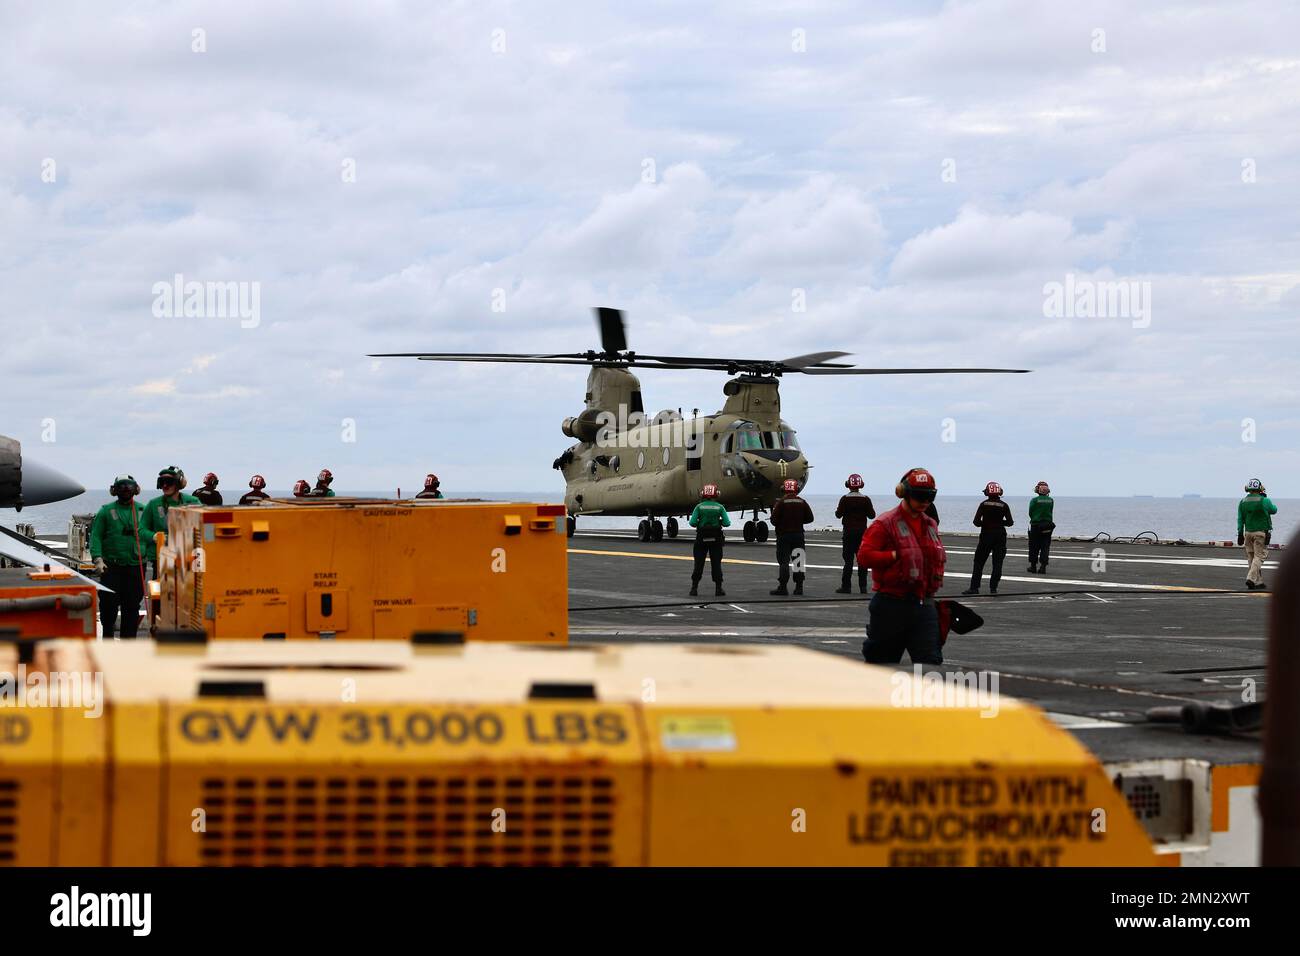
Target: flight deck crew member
<point>906,557</point>
<point>856,510</point>
<point>118,553</point>
<point>708,519</point>
<point>993,518</point>
<point>1254,529</point>
<point>430,487</point>
<point>208,494</point>
<point>789,515</point>
<point>171,481</point>
<point>255,492</point>
<point>1040,528</point>
<point>323,482</point>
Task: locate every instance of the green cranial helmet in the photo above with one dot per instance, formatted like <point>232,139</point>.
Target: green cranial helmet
<point>1255,485</point>
<point>174,473</point>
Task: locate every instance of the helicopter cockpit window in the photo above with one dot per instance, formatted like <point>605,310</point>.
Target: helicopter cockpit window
<point>789,441</point>
<point>749,439</point>
<point>781,439</point>
<point>726,445</point>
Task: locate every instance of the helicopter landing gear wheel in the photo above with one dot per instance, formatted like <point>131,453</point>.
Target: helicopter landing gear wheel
<point>672,527</point>
<point>656,531</point>
<point>760,531</point>
<point>749,531</point>
<point>570,526</point>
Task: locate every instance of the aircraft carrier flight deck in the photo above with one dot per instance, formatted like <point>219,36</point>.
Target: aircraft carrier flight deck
<point>1160,626</point>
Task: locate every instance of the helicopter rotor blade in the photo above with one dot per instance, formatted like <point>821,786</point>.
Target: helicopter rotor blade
<point>613,332</point>
<point>913,371</point>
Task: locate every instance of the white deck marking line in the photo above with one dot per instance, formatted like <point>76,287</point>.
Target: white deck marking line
<point>1101,599</point>
<point>1036,579</point>
<point>739,608</point>
<point>1231,563</point>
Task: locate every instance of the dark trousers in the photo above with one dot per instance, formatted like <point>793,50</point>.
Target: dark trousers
<point>852,541</point>
<point>902,624</point>
<point>712,549</point>
<point>785,547</point>
<point>1040,542</point>
<point>989,546</point>
<point>124,581</point>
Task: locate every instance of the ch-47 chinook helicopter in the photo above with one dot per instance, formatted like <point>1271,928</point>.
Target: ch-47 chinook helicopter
<point>627,463</point>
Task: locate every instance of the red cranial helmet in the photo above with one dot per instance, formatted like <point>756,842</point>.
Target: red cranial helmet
<point>301,488</point>
<point>1042,488</point>
<point>257,481</point>
<point>854,483</point>
<point>210,479</point>
<point>790,486</point>
<point>709,491</point>
<point>325,476</point>
<point>917,483</point>
<point>431,481</point>
<point>993,490</point>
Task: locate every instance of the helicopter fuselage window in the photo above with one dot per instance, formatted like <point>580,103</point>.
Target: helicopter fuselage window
<point>615,463</point>
<point>640,460</point>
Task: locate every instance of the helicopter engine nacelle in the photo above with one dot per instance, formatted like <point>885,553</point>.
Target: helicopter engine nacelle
<point>585,427</point>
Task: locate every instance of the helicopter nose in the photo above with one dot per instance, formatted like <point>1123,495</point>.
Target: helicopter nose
<point>776,467</point>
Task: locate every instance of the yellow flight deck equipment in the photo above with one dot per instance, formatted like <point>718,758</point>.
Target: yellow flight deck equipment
<point>361,569</point>
<point>433,752</point>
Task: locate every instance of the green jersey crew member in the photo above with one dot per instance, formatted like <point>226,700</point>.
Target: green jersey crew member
<point>323,482</point>
<point>708,519</point>
<point>171,481</point>
<point>1254,529</point>
<point>1041,527</point>
<point>431,484</point>
<point>116,548</point>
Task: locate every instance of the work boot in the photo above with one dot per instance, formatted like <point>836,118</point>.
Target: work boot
<point>844,590</point>
<point>779,592</point>
<point>1042,568</point>
<point>970,591</point>
<point>717,590</point>
<point>1033,569</point>
<point>695,589</point>
<point>798,590</point>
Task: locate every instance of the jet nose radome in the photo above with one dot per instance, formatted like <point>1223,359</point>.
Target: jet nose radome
<point>43,484</point>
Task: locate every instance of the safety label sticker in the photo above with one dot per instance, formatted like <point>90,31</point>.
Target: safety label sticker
<point>697,733</point>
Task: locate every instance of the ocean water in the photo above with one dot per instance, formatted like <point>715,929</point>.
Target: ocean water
<point>1190,519</point>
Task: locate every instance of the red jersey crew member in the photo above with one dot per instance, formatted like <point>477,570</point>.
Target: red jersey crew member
<point>855,510</point>
<point>256,492</point>
<point>789,515</point>
<point>993,518</point>
<point>903,549</point>
<point>208,494</point>
<point>708,519</point>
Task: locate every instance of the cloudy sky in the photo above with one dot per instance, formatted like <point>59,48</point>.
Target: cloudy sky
<point>396,176</point>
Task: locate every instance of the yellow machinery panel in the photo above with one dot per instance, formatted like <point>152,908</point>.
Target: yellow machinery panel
<point>338,752</point>
<point>356,569</point>
<point>53,759</point>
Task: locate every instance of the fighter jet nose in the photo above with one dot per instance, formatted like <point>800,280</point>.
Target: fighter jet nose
<point>43,484</point>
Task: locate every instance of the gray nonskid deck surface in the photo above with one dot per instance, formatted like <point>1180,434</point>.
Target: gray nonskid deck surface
<point>1130,641</point>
